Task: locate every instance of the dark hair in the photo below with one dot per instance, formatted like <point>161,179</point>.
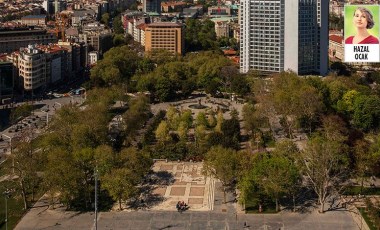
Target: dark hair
<point>369,17</point>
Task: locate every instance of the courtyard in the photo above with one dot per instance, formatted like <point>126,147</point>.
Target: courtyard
<point>180,181</point>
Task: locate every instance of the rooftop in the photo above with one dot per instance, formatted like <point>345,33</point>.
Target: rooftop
<point>164,24</point>
<point>336,38</point>
<point>41,16</point>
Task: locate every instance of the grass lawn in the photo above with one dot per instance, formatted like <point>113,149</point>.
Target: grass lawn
<point>14,203</point>
<point>15,207</point>
<point>367,219</point>
<point>5,167</point>
<point>355,190</point>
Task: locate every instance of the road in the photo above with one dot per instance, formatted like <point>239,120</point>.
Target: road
<point>49,105</point>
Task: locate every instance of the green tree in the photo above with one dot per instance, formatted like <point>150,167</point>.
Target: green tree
<point>200,35</point>
<point>364,160</point>
<point>117,25</point>
<point>165,90</point>
<point>162,132</point>
<point>121,184</point>
<point>118,40</point>
<point>201,119</point>
<point>231,132</point>
<point>276,175</point>
<point>219,121</point>
<point>172,117</point>
<point>346,104</point>
<point>23,110</point>
<point>134,118</point>
<point>182,131</point>
<point>222,164</point>
<point>187,117</point>
<point>129,168</point>
<point>200,136</point>
<point>105,19</point>
<point>118,65</point>
<point>367,112</point>
<point>26,167</point>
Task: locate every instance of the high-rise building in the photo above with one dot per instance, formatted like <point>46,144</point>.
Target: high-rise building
<point>165,36</point>
<point>6,80</point>
<point>54,6</point>
<point>152,6</point>
<point>281,35</point>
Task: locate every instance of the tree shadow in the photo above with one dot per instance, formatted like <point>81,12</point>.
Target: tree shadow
<point>305,201</point>
<point>147,198</point>
<point>161,178</point>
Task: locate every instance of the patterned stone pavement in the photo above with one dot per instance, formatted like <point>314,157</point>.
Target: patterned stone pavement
<point>188,185</point>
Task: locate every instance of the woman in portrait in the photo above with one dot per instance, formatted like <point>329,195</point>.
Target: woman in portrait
<point>363,21</point>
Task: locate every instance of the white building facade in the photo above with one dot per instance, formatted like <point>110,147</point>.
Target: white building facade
<point>32,68</point>
<point>281,35</point>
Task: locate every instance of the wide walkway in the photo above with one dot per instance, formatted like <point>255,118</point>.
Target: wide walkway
<point>146,220</point>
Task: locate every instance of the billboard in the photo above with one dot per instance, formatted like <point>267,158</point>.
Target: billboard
<point>361,33</point>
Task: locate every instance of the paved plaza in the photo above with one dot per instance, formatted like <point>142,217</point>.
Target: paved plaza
<point>177,181</point>
<point>187,184</point>
<point>150,220</point>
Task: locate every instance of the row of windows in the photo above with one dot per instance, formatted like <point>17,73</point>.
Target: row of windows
<point>33,80</point>
<point>4,38</point>
<point>37,74</point>
<point>261,68</point>
<point>163,41</point>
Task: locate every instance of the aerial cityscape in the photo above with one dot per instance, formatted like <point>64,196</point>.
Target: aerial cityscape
<point>190,114</point>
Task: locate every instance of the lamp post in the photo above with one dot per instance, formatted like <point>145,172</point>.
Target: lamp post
<point>47,117</point>
<point>96,198</point>
<point>7,194</point>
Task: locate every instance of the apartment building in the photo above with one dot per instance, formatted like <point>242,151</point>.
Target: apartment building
<point>152,6</point>
<point>93,57</point>
<point>13,39</point>
<point>217,11</point>
<point>32,68</point>
<point>279,35</point>
<point>6,81</point>
<point>222,29</point>
<point>34,20</point>
<point>96,37</point>
<point>165,35</point>
<point>336,49</point>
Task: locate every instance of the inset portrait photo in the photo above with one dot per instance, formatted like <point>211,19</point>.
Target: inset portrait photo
<point>361,24</point>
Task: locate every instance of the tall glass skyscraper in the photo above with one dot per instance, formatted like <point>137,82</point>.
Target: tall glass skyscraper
<point>280,35</point>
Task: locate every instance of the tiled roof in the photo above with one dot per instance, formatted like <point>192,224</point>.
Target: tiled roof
<point>336,38</point>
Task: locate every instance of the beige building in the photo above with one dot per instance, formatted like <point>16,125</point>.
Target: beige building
<point>222,29</point>
<point>34,20</point>
<point>336,49</point>
<point>219,11</point>
<point>165,35</point>
<point>31,64</point>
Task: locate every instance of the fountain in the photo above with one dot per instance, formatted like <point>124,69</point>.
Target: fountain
<point>198,106</point>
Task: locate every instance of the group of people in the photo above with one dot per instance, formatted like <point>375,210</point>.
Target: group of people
<point>181,206</point>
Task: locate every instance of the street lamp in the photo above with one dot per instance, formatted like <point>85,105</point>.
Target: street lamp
<point>7,195</point>
<point>96,198</point>
<point>47,117</point>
